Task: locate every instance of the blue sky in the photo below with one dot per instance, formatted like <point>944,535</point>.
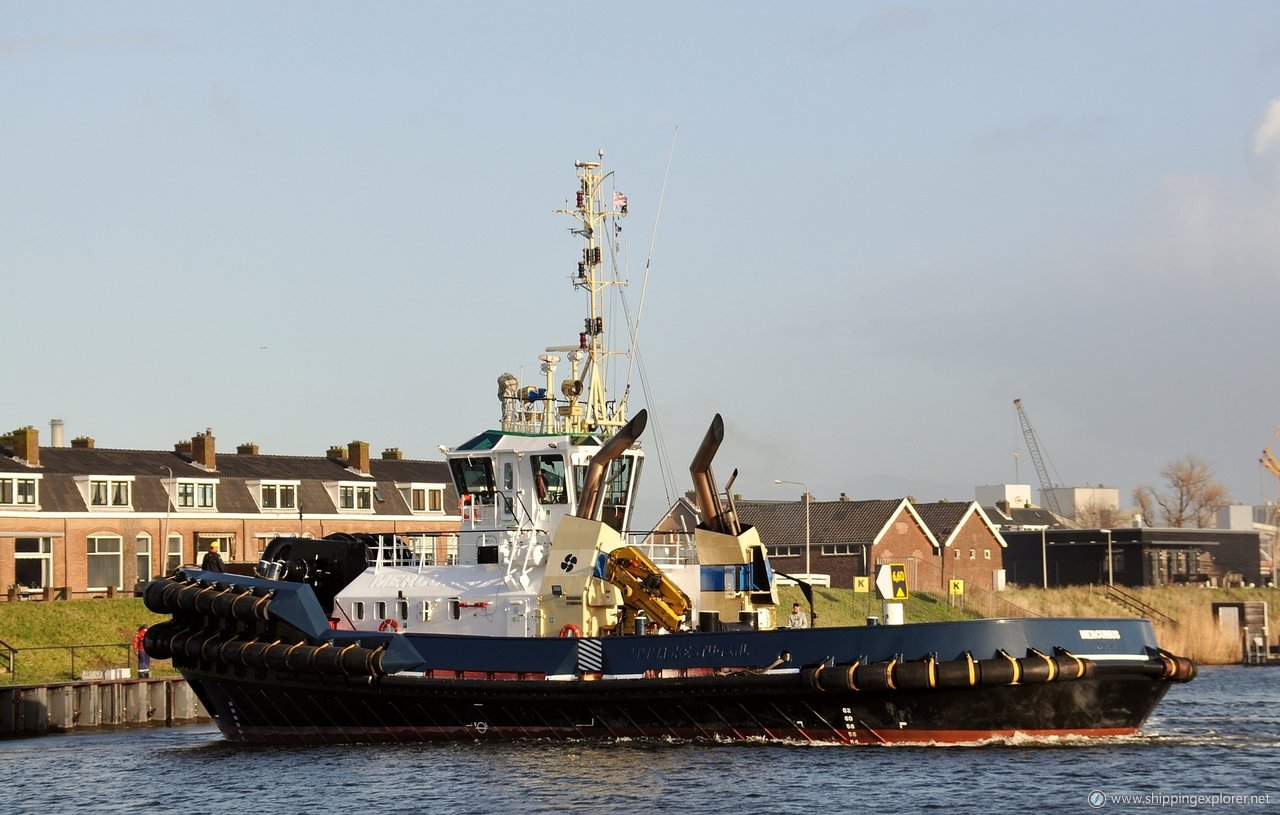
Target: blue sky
<point>305,223</point>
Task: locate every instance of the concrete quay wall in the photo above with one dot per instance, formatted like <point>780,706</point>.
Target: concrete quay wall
<point>37,710</point>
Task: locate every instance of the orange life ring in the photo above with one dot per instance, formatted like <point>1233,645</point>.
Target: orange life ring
<point>389,625</point>
<point>570,630</point>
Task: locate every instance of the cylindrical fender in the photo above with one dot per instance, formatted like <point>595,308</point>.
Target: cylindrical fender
<point>1000,670</point>
<point>916,675</point>
<point>1179,669</point>
<point>877,676</point>
<point>839,678</point>
<point>958,673</point>
<point>158,639</point>
<point>1037,668</point>
<point>1071,666</point>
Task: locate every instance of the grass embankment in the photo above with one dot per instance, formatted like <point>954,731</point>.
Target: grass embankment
<point>43,633</point>
<point>1195,635</point>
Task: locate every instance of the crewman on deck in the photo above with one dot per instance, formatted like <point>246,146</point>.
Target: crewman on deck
<point>212,560</point>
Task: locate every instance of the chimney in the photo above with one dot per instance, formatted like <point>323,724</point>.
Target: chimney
<point>182,448</point>
<point>55,433</point>
<point>392,454</point>
<point>1003,506</point>
<point>358,456</point>
<point>202,452</point>
<point>26,445</point>
<point>82,443</point>
<point>844,497</point>
<point>247,449</point>
<point>336,453</point>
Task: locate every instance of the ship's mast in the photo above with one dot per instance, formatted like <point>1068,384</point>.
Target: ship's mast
<point>592,211</point>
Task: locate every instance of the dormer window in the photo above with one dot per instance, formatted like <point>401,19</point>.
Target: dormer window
<point>278,495</point>
<point>20,492</point>
<point>423,498</point>
<point>107,492</point>
<point>196,494</point>
<point>351,497</point>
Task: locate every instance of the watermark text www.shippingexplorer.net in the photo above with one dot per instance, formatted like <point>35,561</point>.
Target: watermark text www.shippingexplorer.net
<point>1098,799</point>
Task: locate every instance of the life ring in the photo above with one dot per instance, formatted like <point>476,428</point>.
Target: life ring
<point>570,630</point>
<point>389,625</point>
<point>464,507</point>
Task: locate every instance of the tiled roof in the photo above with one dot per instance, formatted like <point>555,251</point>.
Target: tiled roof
<point>1023,516</point>
<point>943,517</point>
<point>829,521</point>
<point>59,466</point>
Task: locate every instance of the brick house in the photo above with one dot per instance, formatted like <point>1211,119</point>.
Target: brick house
<point>845,536</point>
<point>81,520</point>
<point>972,547</point>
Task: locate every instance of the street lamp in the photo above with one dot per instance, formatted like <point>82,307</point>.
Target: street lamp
<point>164,546</point>
<point>807,500</point>
<point>1110,576</point>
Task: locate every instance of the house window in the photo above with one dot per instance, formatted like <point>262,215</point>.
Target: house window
<point>786,551</point>
<point>144,556</point>
<point>173,554</point>
<point>973,555</point>
<point>279,496</point>
<point>986,554</point>
<point>197,495</point>
<point>110,492</point>
<point>33,562</point>
<point>422,497</point>
<point>956,552</point>
<point>18,492</point>
<point>837,548</point>
<point>352,496</point>
<point>105,562</point>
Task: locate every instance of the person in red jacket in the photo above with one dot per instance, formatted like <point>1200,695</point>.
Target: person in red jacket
<point>144,659</point>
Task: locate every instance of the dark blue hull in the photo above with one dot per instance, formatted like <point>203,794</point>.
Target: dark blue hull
<point>268,669</point>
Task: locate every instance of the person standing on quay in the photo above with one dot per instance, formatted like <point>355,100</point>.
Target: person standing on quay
<point>797,618</point>
<point>212,560</point>
<point>144,659</point>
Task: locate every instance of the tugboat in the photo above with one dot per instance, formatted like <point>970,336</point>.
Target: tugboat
<point>550,622</point>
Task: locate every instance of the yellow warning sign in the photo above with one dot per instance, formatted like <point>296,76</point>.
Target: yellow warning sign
<point>891,581</point>
<point>861,585</point>
<point>957,586</point>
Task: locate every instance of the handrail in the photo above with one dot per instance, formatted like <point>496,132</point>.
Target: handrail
<point>1137,604</point>
<point>13,655</point>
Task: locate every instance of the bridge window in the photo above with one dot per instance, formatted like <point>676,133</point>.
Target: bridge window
<point>549,481</point>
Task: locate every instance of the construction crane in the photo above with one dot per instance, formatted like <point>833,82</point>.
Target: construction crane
<point>1033,445</point>
<point>1272,464</point>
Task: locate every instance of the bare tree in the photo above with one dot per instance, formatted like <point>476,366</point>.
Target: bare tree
<point>1099,515</point>
<point>1192,500</point>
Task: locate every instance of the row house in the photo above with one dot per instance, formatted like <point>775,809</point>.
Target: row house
<point>83,520</point>
<point>849,538</point>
